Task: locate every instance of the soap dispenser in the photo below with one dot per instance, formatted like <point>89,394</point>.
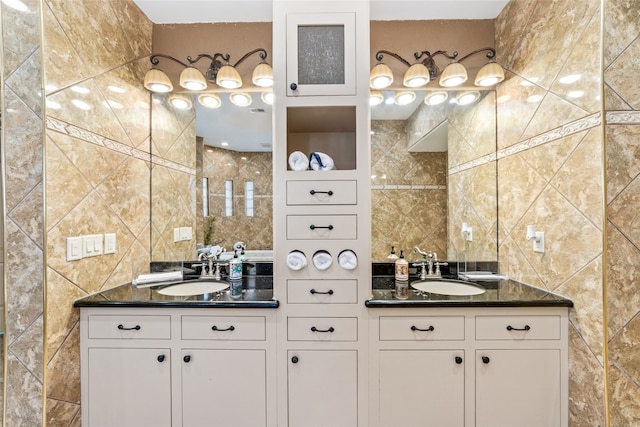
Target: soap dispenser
<point>402,268</point>
<point>393,255</point>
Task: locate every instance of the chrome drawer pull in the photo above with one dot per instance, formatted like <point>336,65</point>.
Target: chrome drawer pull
<point>511,328</point>
<point>329,292</point>
<point>312,192</point>
<point>429,329</point>
<point>314,329</point>
<point>230,328</point>
<point>313,227</point>
<point>135,328</point>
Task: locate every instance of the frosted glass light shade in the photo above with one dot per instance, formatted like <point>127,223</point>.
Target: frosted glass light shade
<point>228,77</point>
<point>454,74</point>
<point>380,76</point>
<point>263,75</point>
<point>157,81</point>
<point>376,97</point>
<point>405,97</point>
<point>417,75</point>
<point>241,99</point>
<point>467,97</point>
<point>489,75</point>
<point>180,101</point>
<point>209,100</point>
<point>436,98</point>
<point>267,97</point>
<point>192,79</point>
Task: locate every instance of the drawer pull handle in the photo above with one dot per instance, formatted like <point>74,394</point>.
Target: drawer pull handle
<point>186,358</point>
<point>313,227</point>
<point>329,292</point>
<point>458,360</point>
<point>135,328</point>
<point>230,328</point>
<point>312,192</point>
<point>429,329</point>
<point>511,328</point>
<point>161,358</point>
<point>314,329</point>
<point>486,360</point>
<point>294,359</point>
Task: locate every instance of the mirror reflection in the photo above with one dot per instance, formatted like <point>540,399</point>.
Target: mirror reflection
<point>433,170</point>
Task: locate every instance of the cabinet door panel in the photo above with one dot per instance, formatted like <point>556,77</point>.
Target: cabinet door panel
<point>323,388</point>
<point>224,388</point>
<point>421,388</point>
<point>129,387</point>
<point>518,388</point>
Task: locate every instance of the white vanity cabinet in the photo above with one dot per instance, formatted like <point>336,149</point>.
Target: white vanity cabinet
<point>179,367</point>
<point>482,367</point>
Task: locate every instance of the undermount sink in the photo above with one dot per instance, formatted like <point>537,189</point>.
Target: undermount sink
<point>447,287</point>
<point>200,287</point>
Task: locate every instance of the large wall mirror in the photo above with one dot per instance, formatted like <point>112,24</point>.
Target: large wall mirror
<point>433,169</point>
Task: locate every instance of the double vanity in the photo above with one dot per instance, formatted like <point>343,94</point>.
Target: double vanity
<point>496,358</point>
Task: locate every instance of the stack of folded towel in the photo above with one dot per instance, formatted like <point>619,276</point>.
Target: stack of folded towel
<point>296,260</point>
<point>153,278</point>
<point>348,259</point>
<point>322,260</point>
<point>316,161</point>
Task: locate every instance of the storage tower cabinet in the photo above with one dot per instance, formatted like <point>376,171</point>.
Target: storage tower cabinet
<point>321,71</point>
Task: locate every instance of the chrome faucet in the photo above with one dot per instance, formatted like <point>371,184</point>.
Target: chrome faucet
<point>422,264</point>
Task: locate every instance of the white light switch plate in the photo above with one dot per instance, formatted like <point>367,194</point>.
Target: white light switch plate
<point>109,243</point>
<point>74,248</point>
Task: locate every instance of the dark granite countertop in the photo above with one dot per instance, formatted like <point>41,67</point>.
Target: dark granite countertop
<point>503,293</point>
<point>257,292</point>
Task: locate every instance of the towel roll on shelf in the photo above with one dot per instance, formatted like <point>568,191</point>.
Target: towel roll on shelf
<point>296,260</point>
<point>322,260</point>
<point>298,161</point>
<point>348,259</point>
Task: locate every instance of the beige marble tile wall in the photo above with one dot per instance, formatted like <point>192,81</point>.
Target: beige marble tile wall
<point>173,180</point>
<point>550,172</point>
<point>622,105</point>
<point>220,165</point>
<point>24,212</point>
<point>97,161</point>
<point>408,194</point>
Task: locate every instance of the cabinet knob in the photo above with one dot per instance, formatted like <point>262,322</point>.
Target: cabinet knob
<point>293,86</point>
<point>294,359</point>
<point>485,360</point>
<point>161,358</point>
<point>186,358</point>
<point>458,360</point>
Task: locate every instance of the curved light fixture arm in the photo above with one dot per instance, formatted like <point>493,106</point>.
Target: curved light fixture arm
<point>491,53</point>
<point>379,56</point>
<point>263,56</point>
<point>155,61</point>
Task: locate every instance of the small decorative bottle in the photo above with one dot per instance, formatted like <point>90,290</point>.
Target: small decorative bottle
<point>402,277</point>
<point>235,276</point>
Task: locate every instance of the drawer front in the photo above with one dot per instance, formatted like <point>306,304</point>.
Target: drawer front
<point>321,227</point>
<point>224,328</point>
<point>422,328</point>
<point>322,291</point>
<point>518,328</point>
<point>321,193</point>
<point>112,326</point>
<point>322,328</point>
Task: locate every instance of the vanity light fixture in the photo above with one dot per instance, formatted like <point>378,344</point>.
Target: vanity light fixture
<point>404,97</point>
<point>241,99</point>
<point>467,97</point>
<point>267,97</point>
<point>209,100</point>
<point>224,74</point>
<point>425,70</point>
<point>376,97</point>
<point>180,101</point>
<point>436,97</point>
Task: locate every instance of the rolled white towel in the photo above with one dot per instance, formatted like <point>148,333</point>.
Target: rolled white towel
<point>296,260</point>
<point>322,260</point>
<point>320,162</point>
<point>298,161</point>
<point>348,259</point>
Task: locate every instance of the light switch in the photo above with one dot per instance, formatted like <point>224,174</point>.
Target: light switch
<point>74,248</point>
<point>176,235</point>
<point>91,245</point>
<point>110,243</point>
<point>186,233</point>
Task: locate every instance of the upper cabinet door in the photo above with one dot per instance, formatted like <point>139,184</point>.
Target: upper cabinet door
<point>321,54</point>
